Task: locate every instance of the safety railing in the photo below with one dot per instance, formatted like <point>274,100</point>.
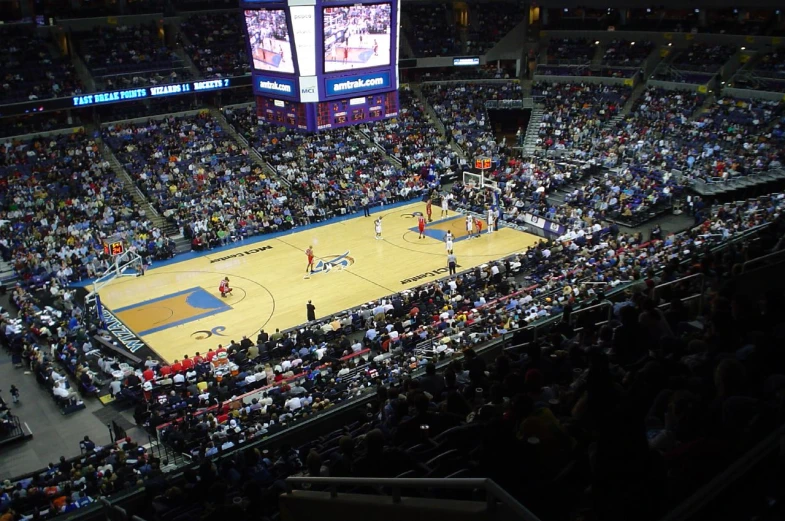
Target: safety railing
<point>116,513</point>
<point>763,262</point>
<point>505,104</point>
<point>701,280</point>
<point>16,430</point>
<point>535,328</point>
<point>494,494</point>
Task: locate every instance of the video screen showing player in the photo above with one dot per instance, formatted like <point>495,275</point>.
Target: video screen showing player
<point>356,37</point>
<point>268,33</point>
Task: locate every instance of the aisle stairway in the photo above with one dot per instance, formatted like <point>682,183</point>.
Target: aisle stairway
<point>434,119</point>
<point>366,138</point>
<point>168,228</point>
<point>636,93</point>
<point>8,276</point>
<point>532,130</point>
<point>252,152</point>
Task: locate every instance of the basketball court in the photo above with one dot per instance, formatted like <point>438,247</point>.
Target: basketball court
<point>176,308</point>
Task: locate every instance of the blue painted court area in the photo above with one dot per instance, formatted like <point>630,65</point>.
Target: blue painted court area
<point>438,229</point>
<point>273,58</point>
<point>171,310</point>
<point>365,55</point>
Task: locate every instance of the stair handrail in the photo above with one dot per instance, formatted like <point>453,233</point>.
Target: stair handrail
<point>128,182</point>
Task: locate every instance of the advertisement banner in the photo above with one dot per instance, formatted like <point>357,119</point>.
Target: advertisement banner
<point>272,86</point>
<point>309,89</point>
<point>304,28</point>
<point>544,224</point>
<point>348,85</point>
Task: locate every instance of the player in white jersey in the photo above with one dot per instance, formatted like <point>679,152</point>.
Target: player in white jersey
<point>491,220</point>
<point>445,204</point>
<point>378,227</point>
<point>448,241</point>
<point>469,225</point>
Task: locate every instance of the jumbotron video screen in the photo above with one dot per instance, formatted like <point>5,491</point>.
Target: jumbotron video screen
<point>268,34</point>
<point>325,63</point>
<point>356,36</point>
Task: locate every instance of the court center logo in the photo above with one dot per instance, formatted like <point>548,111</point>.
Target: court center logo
<point>332,262</point>
<point>205,334</point>
<point>412,215</point>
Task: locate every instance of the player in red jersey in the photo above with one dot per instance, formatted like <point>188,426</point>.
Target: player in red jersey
<point>309,267</point>
<point>421,225</point>
<point>429,210</point>
<point>224,287</point>
<point>478,223</point>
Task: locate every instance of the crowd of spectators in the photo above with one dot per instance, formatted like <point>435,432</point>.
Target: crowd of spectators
<point>200,179</point>
<point>141,79</point>
<point>414,141</point>
<point>330,173</point>
<point>42,340</point>
<point>432,31</point>
<point>489,23</point>
<point>327,362</point>
<point>625,53</point>
<point>483,72</point>
<point>575,113</point>
<point>570,51</point>
<point>724,140</point>
<point>461,108</point>
<point>771,65</point>
<point>127,55</point>
<point>60,199</point>
<point>523,187</point>
<point>30,70</point>
<point>767,73</point>
<point>656,104</point>
<point>217,44</point>
<point>73,484</point>
<point>558,376</point>
<point>37,123</point>
<point>585,70</point>
<point>700,57</point>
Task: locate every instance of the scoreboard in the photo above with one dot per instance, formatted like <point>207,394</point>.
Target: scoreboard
<point>319,64</point>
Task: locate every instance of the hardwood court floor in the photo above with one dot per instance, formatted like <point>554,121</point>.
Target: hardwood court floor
<point>177,309</point>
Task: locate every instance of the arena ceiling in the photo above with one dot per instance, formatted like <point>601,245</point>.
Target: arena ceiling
<point>671,4</point>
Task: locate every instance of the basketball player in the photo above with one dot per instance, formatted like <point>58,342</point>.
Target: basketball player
<point>421,225</point>
<point>429,211</point>
<point>309,267</point>
<point>491,220</point>
<point>378,226</point>
<point>345,54</point>
<point>224,287</point>
<point>448,240</point>
<point>445,205</point>
<point>375,48</point>
<point>469,225</point>
<point>478,222</point>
